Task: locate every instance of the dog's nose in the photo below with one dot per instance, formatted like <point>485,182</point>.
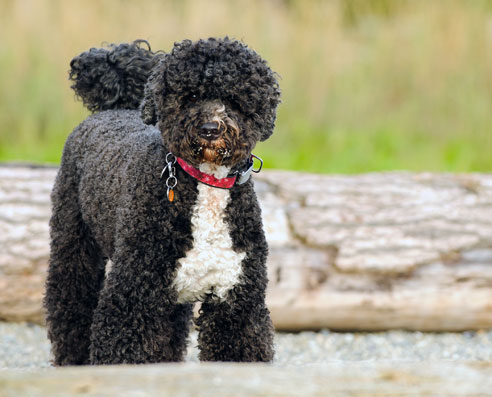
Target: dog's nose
<point>209,131</point>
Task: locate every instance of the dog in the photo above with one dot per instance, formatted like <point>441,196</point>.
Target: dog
<point>157,182</point>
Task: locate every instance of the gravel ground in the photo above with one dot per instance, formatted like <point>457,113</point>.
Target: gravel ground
<point>26,346</point>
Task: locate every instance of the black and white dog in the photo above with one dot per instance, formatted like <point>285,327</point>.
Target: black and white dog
<point>157,181</point>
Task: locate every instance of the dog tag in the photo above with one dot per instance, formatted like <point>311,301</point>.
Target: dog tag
<point>170,195</point>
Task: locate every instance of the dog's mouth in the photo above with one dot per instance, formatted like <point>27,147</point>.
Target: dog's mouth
<point>215,151</point>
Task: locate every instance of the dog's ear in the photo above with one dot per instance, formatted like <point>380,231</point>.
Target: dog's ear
<point>267,129</point>
<point>269,98</point>
<point>267,123</point>
<point>148,107</point>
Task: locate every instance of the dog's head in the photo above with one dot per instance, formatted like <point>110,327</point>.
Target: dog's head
<point>212,100</point>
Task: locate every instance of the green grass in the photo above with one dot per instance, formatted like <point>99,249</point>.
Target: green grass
<point>367,85</point>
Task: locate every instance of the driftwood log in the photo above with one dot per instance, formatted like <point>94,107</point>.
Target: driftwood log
<point>364,252</point>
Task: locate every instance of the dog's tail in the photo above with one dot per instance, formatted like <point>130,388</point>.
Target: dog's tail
<point>112,77</point>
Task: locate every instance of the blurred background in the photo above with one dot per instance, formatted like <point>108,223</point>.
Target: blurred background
<point>368,85</point>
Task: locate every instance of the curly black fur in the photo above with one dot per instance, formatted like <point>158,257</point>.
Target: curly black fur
<point>109,202</point>
<point>112,78</point>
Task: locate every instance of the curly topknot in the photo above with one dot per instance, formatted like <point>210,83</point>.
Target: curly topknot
<point>113,77</point>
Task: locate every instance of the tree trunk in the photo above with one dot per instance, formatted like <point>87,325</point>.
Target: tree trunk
<point>379,251</point>
<point>24,245</point>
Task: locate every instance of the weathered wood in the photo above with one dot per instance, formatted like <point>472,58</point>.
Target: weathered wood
<point>24,245</point>
<point>379,251</point>
<point>368,252</point>
<point>220,379</point>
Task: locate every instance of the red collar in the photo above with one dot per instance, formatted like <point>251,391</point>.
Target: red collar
<point>211,180</point>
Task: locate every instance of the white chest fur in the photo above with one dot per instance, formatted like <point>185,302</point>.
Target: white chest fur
<point>212,265</point>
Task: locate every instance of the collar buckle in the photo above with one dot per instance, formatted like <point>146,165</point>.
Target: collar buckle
<point>244,174</point>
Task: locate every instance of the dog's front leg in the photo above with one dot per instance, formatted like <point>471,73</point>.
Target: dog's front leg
<point>240,328</point>
<point>137,319</point>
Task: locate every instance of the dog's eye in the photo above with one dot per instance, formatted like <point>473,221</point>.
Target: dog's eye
<point>193,97</point>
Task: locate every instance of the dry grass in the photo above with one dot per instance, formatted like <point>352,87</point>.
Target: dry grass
<point>368,85</point>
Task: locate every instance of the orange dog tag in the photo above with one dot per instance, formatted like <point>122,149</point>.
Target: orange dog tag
<point>170,195</point>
